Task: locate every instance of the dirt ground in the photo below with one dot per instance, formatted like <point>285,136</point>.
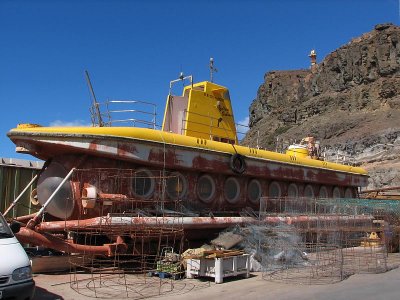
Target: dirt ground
<point>360,286</point>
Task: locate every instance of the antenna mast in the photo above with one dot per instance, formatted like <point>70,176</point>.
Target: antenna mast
<point>95,103</point>
<point>212,69</point>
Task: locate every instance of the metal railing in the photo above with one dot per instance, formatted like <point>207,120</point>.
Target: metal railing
<point>330,155</point>
<point>210,124</point>
<point>125,112</point>
<point>143,114</point>
<point>241,131</point>
<point>338,156</point>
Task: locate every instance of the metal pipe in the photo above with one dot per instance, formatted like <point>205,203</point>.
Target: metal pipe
<point>33,222</point>
<point>185,222</point>
<point>25,219</point>
<point>20,195</point>
<point>392,188</point>
<point>29,236</point>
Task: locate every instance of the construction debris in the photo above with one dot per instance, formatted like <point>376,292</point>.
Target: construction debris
<point>227,240</point>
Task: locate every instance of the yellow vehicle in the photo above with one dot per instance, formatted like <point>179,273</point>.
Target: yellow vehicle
<point>194,158</point>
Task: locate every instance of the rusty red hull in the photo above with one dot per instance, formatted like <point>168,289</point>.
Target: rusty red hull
<point>127,175</point>
<point>175,157</point>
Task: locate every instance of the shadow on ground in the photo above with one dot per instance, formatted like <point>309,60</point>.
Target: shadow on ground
<point>43,294</point>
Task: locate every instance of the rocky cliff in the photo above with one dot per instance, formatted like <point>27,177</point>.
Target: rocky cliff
<point>350,101</point>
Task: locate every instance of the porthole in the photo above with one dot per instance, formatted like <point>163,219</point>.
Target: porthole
<point>336,193</point>
<point>232,190</point>
<point>176,186</point>
<point>293,191</point>
<point>143,183</point>
<point>349,193</point>
<point>323,192</point>
<point>274,190</point>
<point>206,188</point>
<point>309,191</point>
<point>254,191</point>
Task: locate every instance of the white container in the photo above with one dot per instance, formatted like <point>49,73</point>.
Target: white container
<point>15,269</point>
<point>219,268</point>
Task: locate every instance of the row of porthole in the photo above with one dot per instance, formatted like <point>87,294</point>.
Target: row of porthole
<point>143,185</point>
<point>206,189</point>
<point>177,186</point>
<point>293,191</point>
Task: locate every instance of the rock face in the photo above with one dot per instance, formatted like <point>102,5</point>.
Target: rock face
<point>350,102</point>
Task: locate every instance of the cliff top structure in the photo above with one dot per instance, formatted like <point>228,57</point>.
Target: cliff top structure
<point>350,101</point>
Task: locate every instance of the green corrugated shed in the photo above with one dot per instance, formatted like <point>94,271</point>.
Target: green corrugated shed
<point>15,174</point>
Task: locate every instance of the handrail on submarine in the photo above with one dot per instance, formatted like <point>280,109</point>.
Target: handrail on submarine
<point>182,77</point>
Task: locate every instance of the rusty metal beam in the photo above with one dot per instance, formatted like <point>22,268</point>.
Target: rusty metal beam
<point>132,223</point>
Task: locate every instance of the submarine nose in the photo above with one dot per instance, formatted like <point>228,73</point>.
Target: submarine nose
<point>62,204</point>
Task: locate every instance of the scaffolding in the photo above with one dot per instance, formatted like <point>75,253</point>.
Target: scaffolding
<point>148,249</point>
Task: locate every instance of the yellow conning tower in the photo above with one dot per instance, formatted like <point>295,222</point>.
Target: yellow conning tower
<point>204,111</point>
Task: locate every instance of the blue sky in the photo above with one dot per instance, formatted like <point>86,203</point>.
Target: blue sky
<point>132,49</point>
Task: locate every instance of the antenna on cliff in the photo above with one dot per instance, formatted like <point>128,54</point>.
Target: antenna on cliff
<point>212,69</point>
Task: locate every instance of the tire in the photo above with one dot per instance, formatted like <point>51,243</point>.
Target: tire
<point>237,163</point>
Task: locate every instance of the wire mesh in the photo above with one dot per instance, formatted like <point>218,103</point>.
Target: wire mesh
<point>142,249</point>
<point>320,241</point>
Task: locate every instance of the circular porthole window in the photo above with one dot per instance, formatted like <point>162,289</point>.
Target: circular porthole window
<point>254,191</point>
<point>336,193</point>
<point>176,186</point>
<point>309,191</point>
<point>232,190</point>
<point>206,188</point>
<point>274,190</point>
<point>143,183</point>
<point>293,191</point>
<point>349,193</point>
<point>323,192</point>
